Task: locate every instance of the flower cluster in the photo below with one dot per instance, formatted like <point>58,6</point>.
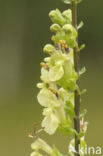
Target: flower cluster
<point>57,73</point>
<point>58,82</point>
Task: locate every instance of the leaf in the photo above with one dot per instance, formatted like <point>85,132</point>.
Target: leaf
<point>82,146</point>
<point>80,135</point>
<point>83,113</point>
<point>83,91</point>
<point>82,71</point>
<point>69,108</point>
<point>82,47</point>
<point>67,130</point>
<point>80,25</point>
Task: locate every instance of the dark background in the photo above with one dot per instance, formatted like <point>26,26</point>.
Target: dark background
<point>24,30</point>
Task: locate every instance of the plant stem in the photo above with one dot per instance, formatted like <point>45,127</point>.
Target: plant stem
<point>77,68</point>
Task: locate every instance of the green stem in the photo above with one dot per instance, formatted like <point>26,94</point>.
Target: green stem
<point>77,68</point>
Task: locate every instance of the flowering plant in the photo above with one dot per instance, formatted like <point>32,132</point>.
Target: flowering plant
<point>60,93</point>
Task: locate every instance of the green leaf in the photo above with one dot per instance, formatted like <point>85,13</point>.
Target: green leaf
<point>67,130</point>
<point>80,135</point>
<point>83,113</point>
<point>82,71</point>
<point>80,25</point>
<point>67,84</point>
<point>82,47</point>
<point>83,91</point>
<point>69,108</point>
<point>82,146</point>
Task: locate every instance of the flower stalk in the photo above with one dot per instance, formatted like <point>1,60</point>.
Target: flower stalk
<point>77,68</point>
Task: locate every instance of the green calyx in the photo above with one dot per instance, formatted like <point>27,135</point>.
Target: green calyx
<point>49,49</point>
<point>55,28</point>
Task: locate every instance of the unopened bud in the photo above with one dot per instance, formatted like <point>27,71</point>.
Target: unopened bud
<point>68,15</point>
<point>49,49</point>
<point>68,28</point>
<point>55,28</point>
<point>56,17</point>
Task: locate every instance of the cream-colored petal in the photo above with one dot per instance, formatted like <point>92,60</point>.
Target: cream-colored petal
<point>47,99</point>
<point>44,75</point>
<point>56,73</point>
<point>50,123</point>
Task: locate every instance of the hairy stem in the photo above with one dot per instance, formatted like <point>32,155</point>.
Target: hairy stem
<point>77,95</point>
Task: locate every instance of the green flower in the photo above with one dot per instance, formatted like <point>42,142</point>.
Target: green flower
<point>40,144</point>
<point>44,75</point>
<point>65,95</point>
<point>59,58</point>
<point>68,68</point>
<point>49,49</point>
<point>68,28</point>
<point>47,99</point>
<point>68,34</point>
<point>68,15</point>
<point>56,73</point>
<point>56,17</point>
<point>55,28</point>
<point>50,121</point>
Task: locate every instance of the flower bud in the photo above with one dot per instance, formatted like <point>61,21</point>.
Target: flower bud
<point>56,17</point>
<point>55,28</point>
<point>49,49</point>
<point>68,28</point>
<point>68,15</point>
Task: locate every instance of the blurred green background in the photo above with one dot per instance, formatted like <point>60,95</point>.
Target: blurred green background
<point>24,30</point>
